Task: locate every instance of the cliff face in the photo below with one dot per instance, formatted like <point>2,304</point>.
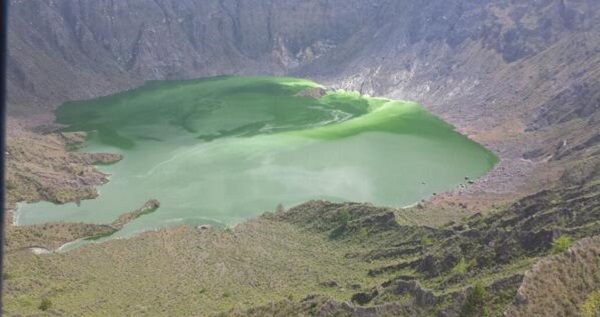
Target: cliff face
<point>437,52</point>
<point>80,49</point>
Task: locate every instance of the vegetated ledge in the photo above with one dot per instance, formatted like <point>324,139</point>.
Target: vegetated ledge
<point>313,92</point>
<point>148,208</point>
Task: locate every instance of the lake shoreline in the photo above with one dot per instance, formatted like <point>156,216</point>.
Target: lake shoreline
<point>380,119</point>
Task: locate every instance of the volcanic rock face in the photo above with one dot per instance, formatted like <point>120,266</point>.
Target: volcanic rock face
<point>40,168</point>
<point>439,52</point>
<point>79,49</point>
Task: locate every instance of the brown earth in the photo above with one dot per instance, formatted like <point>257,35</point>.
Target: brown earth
<point>39,167</point>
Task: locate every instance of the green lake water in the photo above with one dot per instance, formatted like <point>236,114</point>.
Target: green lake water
<point>220,150</point>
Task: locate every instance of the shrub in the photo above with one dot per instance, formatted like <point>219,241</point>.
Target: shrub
<point>561,244</point>
<point>426,241</point>
<point>10,185</point>
<point>461,267</point>
<point>344,216</point>
<point>45,304</point>
<point>475,303</point>
<point>280,208</point>
<point>363,234</point>
<point>338,232</point>
<point>591,306</point>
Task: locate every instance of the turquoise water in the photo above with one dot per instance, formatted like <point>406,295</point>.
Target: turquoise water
<point>220,150</point>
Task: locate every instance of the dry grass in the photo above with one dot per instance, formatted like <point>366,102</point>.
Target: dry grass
<point>558,285</point>
<point>49,235</point>
<point>184,272</point>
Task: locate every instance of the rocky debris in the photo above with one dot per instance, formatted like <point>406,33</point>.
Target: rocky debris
<point>39,250</point>
<point>362,298</point>
<point>565,151</point>
<point>330,284</point>
<point>503,182</point>
<point>424,298</point>
<point>394,252</point>
<point>73,138</point>
<point>148,207</point>
<point>314,93</point>
<point>103,158</point>
<point>203,227</point>
<point>581,173</point>
<point>396,267</point>
<point>534,154</point>
<point>47,128</point>
<point>580,100</point>
<point>383,221</point>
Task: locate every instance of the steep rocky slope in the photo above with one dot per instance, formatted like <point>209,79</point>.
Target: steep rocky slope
<point>79,49</point>
<point>40,168</point>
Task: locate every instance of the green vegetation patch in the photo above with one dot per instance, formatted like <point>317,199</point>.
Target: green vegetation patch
<point>101,236</point>
<point>591,306</point>
<point>561,244</point>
